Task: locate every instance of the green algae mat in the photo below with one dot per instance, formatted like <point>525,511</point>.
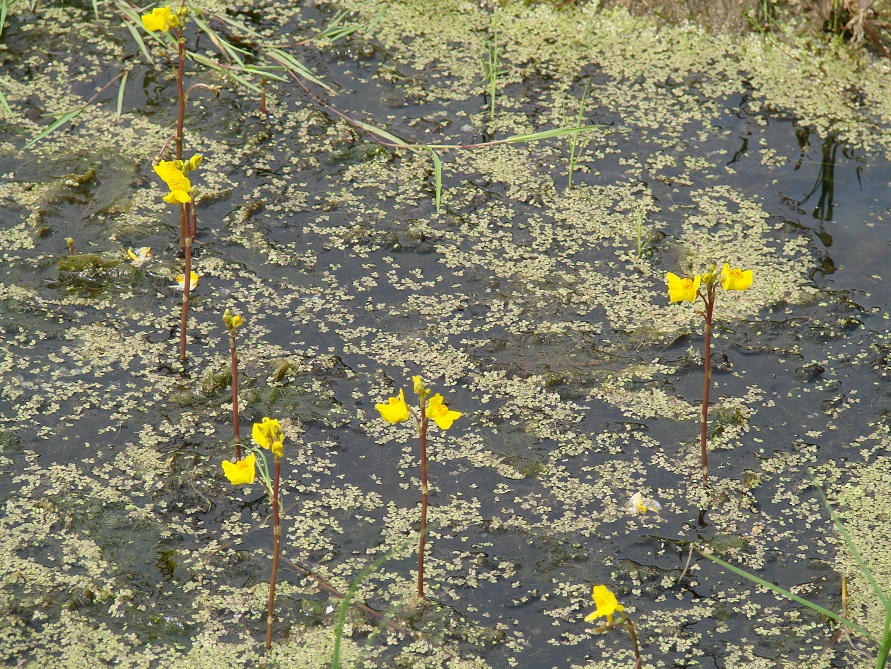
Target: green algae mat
<point>385,193</point>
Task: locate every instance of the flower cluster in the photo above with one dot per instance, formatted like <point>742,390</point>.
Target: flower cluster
<point>232,321</point>
<point>684,288</point>
<point>269,435</point>
<point>163,18</point>
<point>396,410</point>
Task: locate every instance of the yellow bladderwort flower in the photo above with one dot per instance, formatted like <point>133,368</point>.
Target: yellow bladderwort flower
<point>181,281</point>
<point>161,18</point>
<point>242,472</point>
<point>395,410</point>
<point>231,321</point>
<point>420,389</point>
<point>735,279</point>
<point>606,602</point>
<point>141,256</point>
<point>439,412</point>
<point>176,181</point>
<point>640,504</point>
<point>680,289</point>
<point>269,435</point>
<point>192,163</point>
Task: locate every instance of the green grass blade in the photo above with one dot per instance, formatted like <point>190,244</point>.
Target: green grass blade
<point>286,59</point>
<point>437,171</point>
<point>885,646</point>
<point>545,134</point>
<point>348,595</point>
<point>380,132</point>
<point>96,9</point>
<point>4,103</point>
<point>788,595</point>
<point>851,547</point>
<point>62,120</point>
<point>121,95</point>
<point>229,51</point>
<point>3,8</point>
<point>227,72</point>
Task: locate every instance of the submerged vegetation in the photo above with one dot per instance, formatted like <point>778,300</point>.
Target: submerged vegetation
<point>490,197</point>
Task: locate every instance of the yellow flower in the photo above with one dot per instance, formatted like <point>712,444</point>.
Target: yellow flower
<point>160,18</point>
<point>640,504</point>
<point>192,163</point>
<point>682,289</point>
<point>268,434</point>
<point>735,279</point>
<point>232,321</point>
<point>181,281</point>
<point>395,410</point>
<point>241,472</point>
<point>420,389</point>
<point>141,256</point>
<point>176,181</point>
<point>439,412</point>
<point>606,602</point>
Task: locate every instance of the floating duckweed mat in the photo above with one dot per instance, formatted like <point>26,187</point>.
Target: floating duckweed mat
<point>539,310</point>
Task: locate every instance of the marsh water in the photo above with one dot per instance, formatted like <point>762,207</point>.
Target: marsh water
<point>536,309</point>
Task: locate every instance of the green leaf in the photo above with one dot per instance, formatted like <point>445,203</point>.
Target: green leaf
<point>788,595</point>
<point>437,170</point>
<point>62,120</point>
<point>121,94</point>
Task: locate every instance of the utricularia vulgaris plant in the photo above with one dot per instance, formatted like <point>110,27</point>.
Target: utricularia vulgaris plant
<point>607,607</point>
<point>267,435</point>
<point>705,287</point>
<point>175,173</point>
<point>397,411</point>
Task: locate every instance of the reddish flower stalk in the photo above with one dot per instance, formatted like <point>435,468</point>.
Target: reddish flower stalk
<point>276,551</point>
<point>187,289</point>
<point>233,352</point>
<point>422,539</point>
<point>709,299</point>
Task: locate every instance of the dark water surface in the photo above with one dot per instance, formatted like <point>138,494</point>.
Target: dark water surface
<point>525,304</point>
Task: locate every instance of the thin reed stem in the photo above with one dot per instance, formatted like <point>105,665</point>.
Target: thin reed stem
<point>276,552</point>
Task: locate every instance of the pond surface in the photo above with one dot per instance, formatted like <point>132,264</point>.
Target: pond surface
<point>531,306</point>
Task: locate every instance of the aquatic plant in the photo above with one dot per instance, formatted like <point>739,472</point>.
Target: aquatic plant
<point>232,321</point>
<point>574,146</point>
<point>490,64</point>
<point>687,290</point>
<point>607,607</point>
<point>267,435</point>
<point>395,410</point>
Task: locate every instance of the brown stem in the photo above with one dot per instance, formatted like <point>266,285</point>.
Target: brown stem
<point>276,551</point>
<point>263,95</point>
<point>422,539</point>
<point>194,221</point>
<point>638,662</point>
<point>235,422</point>
<point>187,289</point>
<point>707,383</point>
<point>180,93</point>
